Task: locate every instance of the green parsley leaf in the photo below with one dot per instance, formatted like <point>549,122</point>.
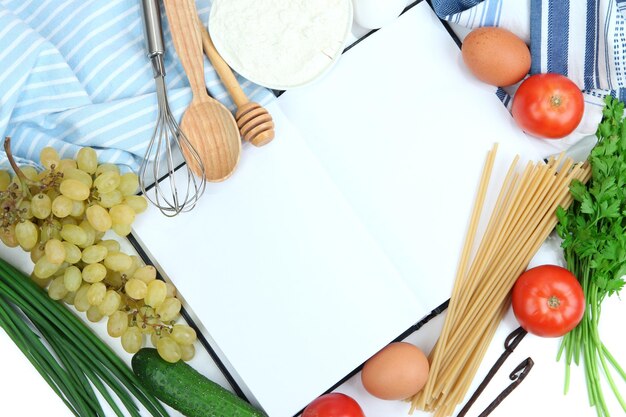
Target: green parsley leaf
<point>593,230</point>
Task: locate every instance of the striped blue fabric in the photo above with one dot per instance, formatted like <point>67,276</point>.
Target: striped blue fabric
<point>558,36</point>
<point>445,7</point>
<point>591,23</point>
<point>75,73</point>
<point>535,36</point>
<point>582,39</point>
<point>511,14</point>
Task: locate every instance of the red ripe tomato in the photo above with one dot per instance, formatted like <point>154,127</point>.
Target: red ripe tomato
<point>548,301</point>
<point>333,405</point>
<point>548,106</point>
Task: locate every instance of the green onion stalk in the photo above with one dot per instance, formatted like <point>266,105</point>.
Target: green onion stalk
<point>73,361</point>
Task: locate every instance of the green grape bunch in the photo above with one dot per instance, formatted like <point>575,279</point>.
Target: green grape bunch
<point>61,215</point>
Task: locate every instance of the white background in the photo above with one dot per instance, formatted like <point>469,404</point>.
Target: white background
<point>24,393</point>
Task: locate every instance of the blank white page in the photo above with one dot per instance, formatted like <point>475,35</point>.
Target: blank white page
<point>404,129</point>
<point>284,278</point>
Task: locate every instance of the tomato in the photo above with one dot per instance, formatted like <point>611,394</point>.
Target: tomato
<point>548,106</point>
<point>333,405</point>
<point>548,301</point>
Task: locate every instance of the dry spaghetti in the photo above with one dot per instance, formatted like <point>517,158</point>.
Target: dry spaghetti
<point>522,218</point>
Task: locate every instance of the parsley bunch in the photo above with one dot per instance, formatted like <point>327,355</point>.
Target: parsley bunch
<point>593,230</point>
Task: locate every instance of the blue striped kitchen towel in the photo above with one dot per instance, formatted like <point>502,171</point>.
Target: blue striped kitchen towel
<point>582,39</point>
<point>75,73</point>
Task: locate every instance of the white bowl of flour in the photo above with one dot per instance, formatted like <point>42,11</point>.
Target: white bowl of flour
<point>280,44</point>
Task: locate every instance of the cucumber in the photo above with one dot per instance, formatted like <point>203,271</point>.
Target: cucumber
<point>184,389</point>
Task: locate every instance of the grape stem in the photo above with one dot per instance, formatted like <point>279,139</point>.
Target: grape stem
<point>16,169</point>
<point>143,319</point>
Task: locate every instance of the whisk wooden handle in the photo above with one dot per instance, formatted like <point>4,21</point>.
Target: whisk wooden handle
<point>183,21</point>
<point>254,121</point>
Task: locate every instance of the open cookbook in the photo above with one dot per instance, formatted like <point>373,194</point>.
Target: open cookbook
<point>346,230</point>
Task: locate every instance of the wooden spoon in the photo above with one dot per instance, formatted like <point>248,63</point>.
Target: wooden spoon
<point>254,121</point>
<point>209,126</point>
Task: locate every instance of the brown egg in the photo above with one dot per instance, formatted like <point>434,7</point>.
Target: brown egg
<point>397,372</point>
<point>496,56</point>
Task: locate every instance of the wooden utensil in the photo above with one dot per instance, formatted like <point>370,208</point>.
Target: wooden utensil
<point>254,121</point>
<point>208,125</point>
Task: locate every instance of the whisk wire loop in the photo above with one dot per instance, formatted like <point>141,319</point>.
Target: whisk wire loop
<point>168,140</point>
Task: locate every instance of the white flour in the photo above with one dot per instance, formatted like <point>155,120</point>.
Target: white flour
<point>280,43</point>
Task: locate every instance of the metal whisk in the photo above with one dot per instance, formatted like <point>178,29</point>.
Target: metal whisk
<point>168,139</point>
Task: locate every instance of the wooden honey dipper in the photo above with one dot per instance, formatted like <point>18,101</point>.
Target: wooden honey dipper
<point>254,121</point>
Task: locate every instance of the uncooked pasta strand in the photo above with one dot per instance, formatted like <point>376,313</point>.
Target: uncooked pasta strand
<point>522,218</point>
<point>458,392</point>
<point>477,210</point>
<point>519,201</point>
<point>506,251</point>
<point>490,238</point>
<point>516,266</point>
